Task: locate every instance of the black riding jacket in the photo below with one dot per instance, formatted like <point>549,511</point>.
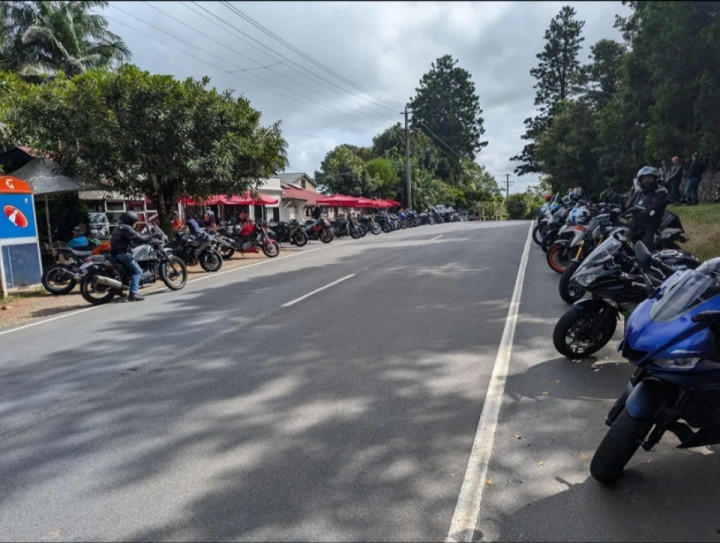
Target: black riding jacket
<point>652,206</point>
<point>124,238</point>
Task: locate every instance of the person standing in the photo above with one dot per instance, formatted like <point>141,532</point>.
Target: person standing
<point>695,172</point>
<point>674,177</point>
<point>210,221</point>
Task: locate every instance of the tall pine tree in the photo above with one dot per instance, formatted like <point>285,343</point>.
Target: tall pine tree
<point>559,75</point>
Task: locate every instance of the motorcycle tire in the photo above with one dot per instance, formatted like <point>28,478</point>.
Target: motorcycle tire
<point>618,446</point>
<point>558,257</point>
<point>538,233</point>
<point>548,240</point>
<point>271,248</point>
<point>387,227</point>
<point>570,292</point>
<point>58,279</point>
<point>210,260</point>
<point>226,252</point>
<point>574,335</point>
<point>299,238</point>
<point>96,293</point>
<point>356,233</point>
<point>174,273</point>
<point>326,235</point>
<point>375,230</point>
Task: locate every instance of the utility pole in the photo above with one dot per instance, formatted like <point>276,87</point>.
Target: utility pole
<point>507,185</point>
<point>407,162</point>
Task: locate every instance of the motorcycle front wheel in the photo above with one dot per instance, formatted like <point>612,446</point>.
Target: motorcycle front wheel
<point>539,232</point>
<point>97,293</point>
<point>173,273</point>
<point>376,229</point>
<point>271,248</point>
<point>226,252</point>
<point>326,235</point>
<point>558,257</point>
<point>570,292</point>
<point>300,238</point>
<point>210,260</point>
<point>58,279</point>
<point>618,447</point>
<point>578,334</point>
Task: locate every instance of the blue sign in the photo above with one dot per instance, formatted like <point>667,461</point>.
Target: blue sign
<point>17,216</point>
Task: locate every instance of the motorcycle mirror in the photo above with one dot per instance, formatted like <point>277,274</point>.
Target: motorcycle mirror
<point>706,316</point>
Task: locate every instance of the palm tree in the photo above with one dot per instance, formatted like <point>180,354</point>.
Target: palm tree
<point>46,37</point>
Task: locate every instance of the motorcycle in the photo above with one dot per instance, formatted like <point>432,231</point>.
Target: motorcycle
<point>372,226</point>
<point>612,277</point>
<point>62,277</point>
<point>196,249</point>
<point>670,234</point>
<point>672,338</point>
<point>558,253</point>
<point>252,237</point>
<point>319,229</point>
<point>343,226</point>
<point>289,232</point>
<point>104,277</point>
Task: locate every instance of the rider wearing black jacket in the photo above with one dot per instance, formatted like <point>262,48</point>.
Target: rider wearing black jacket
<point>649,200</point>
<point>123,239</point>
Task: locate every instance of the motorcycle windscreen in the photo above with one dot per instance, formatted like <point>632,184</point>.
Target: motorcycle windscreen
<point>686,291</point>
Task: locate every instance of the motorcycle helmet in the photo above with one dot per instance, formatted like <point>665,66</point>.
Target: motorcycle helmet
<point>129,218</point>
<point>648,178</point>
<point>576,194</point>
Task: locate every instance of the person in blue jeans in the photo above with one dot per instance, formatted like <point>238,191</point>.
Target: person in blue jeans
<point>697,168</point>
<point>122,241</point>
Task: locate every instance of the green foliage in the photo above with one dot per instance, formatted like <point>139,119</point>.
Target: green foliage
<point>447,110</point>
<point>559,76</point>
<point>41,38</point>
<point>342,171</point>
<point>519,206</point>
<point>150,134</point>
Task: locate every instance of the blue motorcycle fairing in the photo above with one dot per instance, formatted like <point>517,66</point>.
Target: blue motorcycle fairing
<point>679,338</point>
<point>648,397</point>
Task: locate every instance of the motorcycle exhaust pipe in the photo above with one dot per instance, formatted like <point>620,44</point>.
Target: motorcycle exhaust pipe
<point>109,282</point>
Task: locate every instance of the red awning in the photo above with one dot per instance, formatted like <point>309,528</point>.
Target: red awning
<point>338,200</point>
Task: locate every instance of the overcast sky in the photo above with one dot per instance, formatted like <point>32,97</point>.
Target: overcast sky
<point>342,72</point>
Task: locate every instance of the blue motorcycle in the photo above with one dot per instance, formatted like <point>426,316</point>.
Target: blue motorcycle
<point>673,338</point>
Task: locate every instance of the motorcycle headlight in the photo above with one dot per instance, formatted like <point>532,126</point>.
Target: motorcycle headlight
<point>677,363</point>
<point>586,278</point>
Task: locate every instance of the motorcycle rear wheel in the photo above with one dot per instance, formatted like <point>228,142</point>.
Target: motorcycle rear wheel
<point>174,273</point>
<point>58,279</point>
<point>326,235</point>
<point>271,248</point>
<point>226,252</point>
<point>210,260</point>
<point>575,335</point>
<point>539,232</point>
<point>96,293</point>
<point>570,292</point>
<point>618,446</point>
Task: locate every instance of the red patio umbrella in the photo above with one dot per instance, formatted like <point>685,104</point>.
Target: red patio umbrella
<point>338,200</point>
<point>365,202</point>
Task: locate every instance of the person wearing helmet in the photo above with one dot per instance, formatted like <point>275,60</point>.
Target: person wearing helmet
<point>123,239</point>
<point>648,204</point>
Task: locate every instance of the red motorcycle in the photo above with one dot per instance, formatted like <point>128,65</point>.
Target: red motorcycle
<point>320,229</point>
<point>252,237</point>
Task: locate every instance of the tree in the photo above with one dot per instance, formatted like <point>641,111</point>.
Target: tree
<point>149,134</point>
<point>447,110</point>
<point>603,74</point>
<point>44,38</point>
<point>342,171</point>
<point>559,77</point>
<point>383,178</point>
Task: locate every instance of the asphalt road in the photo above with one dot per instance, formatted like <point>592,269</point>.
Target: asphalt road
<point>333,394</point>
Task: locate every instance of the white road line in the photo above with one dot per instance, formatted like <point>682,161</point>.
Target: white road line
<point>318,290</point>
<point>436,237</point>
<point>467,509</point>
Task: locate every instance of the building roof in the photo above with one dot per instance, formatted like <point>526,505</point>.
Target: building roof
<point>291,192</point>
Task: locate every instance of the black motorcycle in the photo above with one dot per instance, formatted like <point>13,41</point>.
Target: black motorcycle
<point>343,226</point>
<point>196,249</point>
<point>612,277</point>
<point>104,277</point>
<point>61,277</point>
<point>289,232</point>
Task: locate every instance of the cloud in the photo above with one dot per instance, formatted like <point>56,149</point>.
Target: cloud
<point>342,72</point>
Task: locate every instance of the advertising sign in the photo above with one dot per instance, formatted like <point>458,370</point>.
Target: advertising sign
<point>17,216</point>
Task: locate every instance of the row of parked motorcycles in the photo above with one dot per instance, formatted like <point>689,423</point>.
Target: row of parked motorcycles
<point>670,304</point>
<point>101,278</point>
